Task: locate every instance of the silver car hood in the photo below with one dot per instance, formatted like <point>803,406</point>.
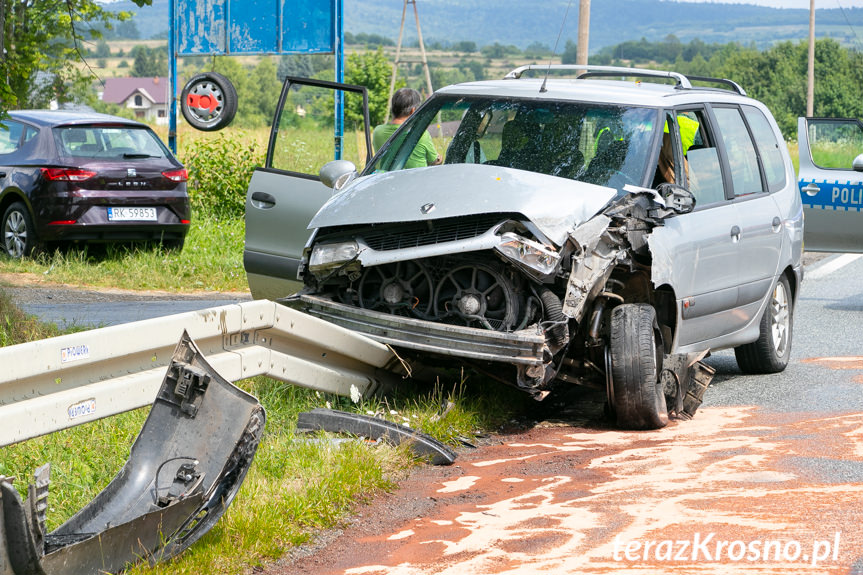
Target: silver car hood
<point>555,205</point>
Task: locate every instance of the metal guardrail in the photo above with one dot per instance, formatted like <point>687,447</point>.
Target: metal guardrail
<point>61,382</point>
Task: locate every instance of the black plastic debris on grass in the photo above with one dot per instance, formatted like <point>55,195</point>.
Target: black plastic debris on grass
<point>335,421</point>
<point>185,468</point>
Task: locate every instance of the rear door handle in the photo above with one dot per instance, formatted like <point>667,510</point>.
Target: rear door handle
<point>263,200</point>
<point>776,225</point>
<point>2,174</point>
<point>811,189</point>
<point>735,234</point>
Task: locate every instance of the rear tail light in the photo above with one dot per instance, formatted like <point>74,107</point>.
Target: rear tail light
<point>176,175</point>
<point>185,221</point>
<point>67,174</point>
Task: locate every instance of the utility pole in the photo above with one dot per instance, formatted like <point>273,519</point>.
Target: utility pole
<point>810,74</point>
<point>583,32</point>
<point>399,60</point>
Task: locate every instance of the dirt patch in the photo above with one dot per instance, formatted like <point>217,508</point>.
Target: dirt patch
<point>20,283</point>
<point>849,362</point>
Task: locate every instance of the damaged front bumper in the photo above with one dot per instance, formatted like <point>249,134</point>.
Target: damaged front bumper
<point>184,469</point>
<point>525,347</point>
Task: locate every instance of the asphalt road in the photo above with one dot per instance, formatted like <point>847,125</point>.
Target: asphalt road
<point>90,309</point>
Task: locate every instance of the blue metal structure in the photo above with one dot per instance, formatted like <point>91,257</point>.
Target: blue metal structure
<point>233,27</point>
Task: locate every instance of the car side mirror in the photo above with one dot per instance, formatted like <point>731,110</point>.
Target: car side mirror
<point>857,164</point>
<point>677,198</point>
<point>338,173</point>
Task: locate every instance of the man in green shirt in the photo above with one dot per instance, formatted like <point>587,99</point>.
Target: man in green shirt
<point>405,102</point>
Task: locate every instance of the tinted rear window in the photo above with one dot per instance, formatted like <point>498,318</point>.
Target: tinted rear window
<point>108,142</point>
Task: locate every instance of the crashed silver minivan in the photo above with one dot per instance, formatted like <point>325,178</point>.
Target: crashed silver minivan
<point>606,229</point>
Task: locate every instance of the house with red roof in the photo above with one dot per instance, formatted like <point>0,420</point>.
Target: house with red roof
<point>146,97</point>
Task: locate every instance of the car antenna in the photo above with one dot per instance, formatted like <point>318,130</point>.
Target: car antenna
<point>542,89</point>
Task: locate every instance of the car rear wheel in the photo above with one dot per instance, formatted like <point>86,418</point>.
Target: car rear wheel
<point>636,362</point>
<point>19,235</point>
<point>770,352</point>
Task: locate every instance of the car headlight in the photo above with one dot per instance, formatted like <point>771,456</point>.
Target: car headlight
<point>327,256</point>
<point>529,253</point>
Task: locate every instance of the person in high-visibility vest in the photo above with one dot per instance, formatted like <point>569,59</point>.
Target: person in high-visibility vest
<point>688,130</point>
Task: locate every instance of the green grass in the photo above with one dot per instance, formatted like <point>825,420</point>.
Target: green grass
<point>296,486</point>
<point>19,327</point>
<point>836,155</point>
<point>212,260</point>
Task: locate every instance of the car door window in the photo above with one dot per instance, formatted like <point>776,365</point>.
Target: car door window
<point>302,140</point>
<point>834,143</point>
<point>10,136</point>
<point>741,153</point>
<point>768,148</point>
<point>700,158</point>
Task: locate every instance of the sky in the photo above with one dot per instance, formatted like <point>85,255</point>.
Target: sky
<point>792,3</point>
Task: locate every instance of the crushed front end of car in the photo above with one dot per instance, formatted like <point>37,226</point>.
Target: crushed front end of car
<point>507,277</point>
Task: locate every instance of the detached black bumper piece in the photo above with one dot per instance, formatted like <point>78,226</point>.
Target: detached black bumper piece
<point>335,421</point>
<point>185,468</point>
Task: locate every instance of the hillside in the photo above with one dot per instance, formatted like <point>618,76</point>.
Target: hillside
<point>519,22</point>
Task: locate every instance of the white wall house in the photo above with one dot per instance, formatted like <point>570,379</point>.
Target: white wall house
<point>147,97</point>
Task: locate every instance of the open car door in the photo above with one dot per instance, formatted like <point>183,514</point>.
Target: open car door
<point>287,192</point>
<point>831,183</point>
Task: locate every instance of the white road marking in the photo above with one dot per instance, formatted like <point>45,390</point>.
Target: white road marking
<point>831,265</point>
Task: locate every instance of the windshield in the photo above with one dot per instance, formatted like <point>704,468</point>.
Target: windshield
<point>108,141</point>
<point>604,145</point>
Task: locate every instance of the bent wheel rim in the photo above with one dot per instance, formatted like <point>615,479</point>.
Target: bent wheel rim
<point>779,319</point>
<point>15,234</point>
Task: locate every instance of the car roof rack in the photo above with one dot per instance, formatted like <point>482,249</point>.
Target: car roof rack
<point>589,70</point>
<point>725,81</point>
<point>682,81</point>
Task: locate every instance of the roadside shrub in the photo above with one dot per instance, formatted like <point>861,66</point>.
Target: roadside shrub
<point>219,172</point>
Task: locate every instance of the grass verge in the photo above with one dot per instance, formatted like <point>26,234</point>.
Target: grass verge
<point>297,485</point>
<point>212,260</point>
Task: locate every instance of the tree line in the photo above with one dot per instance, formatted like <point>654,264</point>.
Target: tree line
<point>41,49</point>
<point>776,75</point>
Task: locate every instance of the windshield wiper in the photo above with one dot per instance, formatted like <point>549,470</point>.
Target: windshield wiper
<point>127,155</point>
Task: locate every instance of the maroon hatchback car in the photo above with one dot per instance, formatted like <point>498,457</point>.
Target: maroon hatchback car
<point>90,177</point>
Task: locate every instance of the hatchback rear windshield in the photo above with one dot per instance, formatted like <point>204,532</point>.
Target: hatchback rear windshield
<point>108,142</point>
<point>595,143</point>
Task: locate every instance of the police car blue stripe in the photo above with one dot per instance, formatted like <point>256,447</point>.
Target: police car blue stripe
<point>833,195</point>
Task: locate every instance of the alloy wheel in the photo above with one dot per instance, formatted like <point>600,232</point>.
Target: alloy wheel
<point>15,234</point>
<point>779,319</point>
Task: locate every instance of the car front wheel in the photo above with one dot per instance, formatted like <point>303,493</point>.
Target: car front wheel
<point>19,235</point>
<point>636,362</point>
<point>770,352</point>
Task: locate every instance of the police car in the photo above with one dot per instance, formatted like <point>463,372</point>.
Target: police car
<point>831,182</point>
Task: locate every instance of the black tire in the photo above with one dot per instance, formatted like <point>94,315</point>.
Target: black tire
<point>219,95</point>
<point>771,351</point>
<point>636,362</point>
<point>173,245</point>
<point>19,238</point>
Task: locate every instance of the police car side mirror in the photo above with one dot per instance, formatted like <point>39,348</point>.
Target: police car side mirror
<point>857,165</point>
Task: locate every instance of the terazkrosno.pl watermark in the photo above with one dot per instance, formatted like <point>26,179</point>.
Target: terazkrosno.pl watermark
<point>709,548</point>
